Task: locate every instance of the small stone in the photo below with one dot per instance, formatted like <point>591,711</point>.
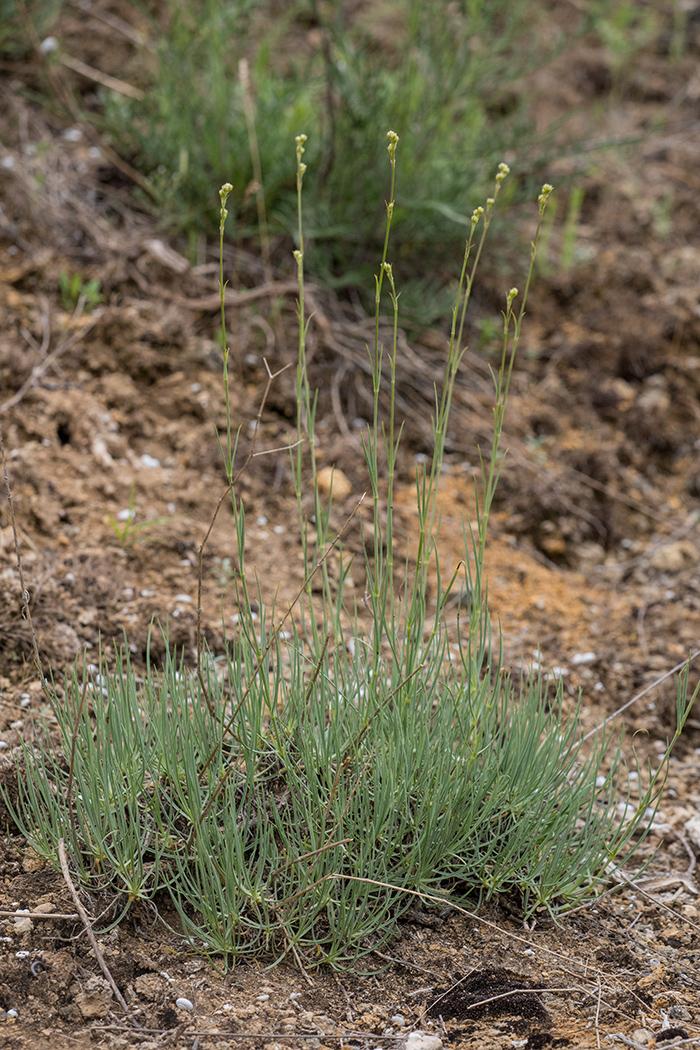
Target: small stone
<point>32,862</point>
<point>643,1036</point>
<point>674,557</point>
<point>589,554</point>
<point>331,478</point>
<point>96,998</point>
<point>692,830</point>
<point>421,1041</point>
<point>46,908</point>
<point>23,924</point>
<point>148,986</point>
<point>327,1025</point>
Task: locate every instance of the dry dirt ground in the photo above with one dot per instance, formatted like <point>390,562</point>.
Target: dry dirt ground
<point>592,563</point>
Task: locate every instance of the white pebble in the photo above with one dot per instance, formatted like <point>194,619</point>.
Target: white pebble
<point>582,658</point>
<point>48,45</point>
<point>149,461</point>
<point>421,1041</point>
<point>125,515</point>
<point>184,599</point>
<point>184,1004</point>
<point>12,1013</point>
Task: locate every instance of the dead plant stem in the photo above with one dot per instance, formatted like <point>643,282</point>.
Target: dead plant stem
<point>85,919</point>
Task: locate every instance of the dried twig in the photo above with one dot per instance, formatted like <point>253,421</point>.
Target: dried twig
<point>674,670</point>
<point>343,1037</point>
<point>35,915</point>
<point>85,919</point>
<point>40,368</point>
<point>90,73</point>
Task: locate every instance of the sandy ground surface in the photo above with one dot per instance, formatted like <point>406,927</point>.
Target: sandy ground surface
<point>592,562</point>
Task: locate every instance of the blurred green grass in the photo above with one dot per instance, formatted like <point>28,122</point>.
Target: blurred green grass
<point>452,79</point>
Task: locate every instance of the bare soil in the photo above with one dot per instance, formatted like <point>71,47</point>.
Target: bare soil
<point>592,563</point>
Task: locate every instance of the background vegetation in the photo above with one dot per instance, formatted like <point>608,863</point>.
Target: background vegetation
<point>224,85</point>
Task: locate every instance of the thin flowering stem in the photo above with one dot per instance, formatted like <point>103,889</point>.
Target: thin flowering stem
<point>224,194</point>
<point>503,379</point>
<point>382,541</point>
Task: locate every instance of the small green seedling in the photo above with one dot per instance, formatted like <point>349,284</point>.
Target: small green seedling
<point>75,291</point>
<point>127,530</point>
